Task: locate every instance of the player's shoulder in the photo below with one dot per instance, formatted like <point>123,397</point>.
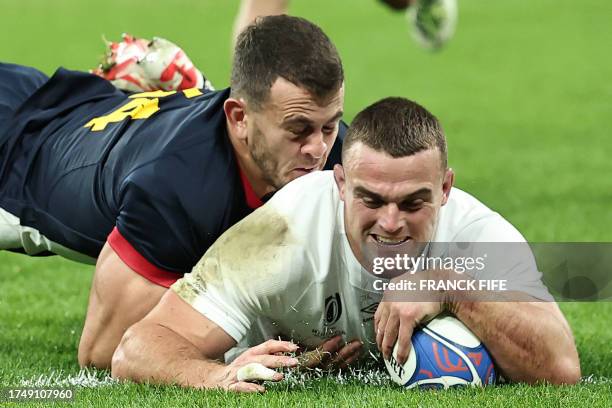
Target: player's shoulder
<point>309,205</point>
<point>462,202</point>
<point>464,218</point>
<point>194,135</point>
<point>315,192</point>
<point>210,99</point>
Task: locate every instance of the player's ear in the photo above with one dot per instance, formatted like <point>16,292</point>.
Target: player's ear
<point>447,184</point>
<point>340,180</point>
<point>235,113</point>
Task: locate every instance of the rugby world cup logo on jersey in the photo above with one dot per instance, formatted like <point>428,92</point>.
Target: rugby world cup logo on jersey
<point>333,309</point>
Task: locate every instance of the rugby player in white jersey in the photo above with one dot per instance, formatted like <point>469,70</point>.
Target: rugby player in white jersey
<point>296,268</point>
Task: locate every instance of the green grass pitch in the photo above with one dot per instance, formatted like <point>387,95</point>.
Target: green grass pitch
<point>524,91</point>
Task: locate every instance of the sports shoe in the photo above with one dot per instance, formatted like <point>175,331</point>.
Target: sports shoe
<point>139,65</point>
<point>433,22</point>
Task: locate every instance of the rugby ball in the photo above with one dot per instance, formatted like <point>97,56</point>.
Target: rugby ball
<point>444,353</point>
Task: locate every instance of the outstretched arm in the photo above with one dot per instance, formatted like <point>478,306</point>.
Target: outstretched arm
<point>530,342</point>
<point>175,344</point>
<point>119,297</point>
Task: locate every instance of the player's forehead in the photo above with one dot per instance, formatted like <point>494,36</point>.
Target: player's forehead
<point>288,103</point>
<point>368,170</point>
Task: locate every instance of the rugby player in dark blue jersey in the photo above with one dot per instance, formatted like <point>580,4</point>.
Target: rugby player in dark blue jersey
<point>144,183</point>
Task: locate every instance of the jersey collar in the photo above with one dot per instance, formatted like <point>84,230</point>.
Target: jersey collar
<point>251,198</point>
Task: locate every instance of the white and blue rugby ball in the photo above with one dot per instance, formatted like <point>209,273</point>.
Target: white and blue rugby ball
<point>444,353</point>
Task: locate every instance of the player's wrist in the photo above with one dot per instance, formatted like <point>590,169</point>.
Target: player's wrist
<point>207,374</point>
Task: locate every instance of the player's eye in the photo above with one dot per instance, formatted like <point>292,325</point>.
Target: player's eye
<point>329,129</point>
<point>412,206</point>
<point>301,132</point>
<point>371,202</point>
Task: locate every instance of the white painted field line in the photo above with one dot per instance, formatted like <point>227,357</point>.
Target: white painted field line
<point>84,378</point>
<point>300,379</point>
<point>293,379</point>
<point>591,379</point>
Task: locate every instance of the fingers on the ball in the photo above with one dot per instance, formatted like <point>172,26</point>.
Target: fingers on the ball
<point>380,331</point>
<point>273,346</point>
<point>243,386</point>
<point>403,344</point>
<point>390,336</point>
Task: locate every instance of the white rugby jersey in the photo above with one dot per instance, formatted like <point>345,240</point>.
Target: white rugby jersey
<point>287,269</point>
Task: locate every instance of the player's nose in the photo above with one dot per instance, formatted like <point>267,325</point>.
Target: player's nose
<point>390,219</point>
<point>315,146</point>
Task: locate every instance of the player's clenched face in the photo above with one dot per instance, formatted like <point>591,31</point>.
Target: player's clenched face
<point>391,204</point>
<point>292,133</point>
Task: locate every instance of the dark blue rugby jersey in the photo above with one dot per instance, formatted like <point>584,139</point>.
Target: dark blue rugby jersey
<point>81,157</point>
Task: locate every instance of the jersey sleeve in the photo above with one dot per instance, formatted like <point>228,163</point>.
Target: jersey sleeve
<point>138,263</point>
<point>245,272</point>
<point>152,233</point>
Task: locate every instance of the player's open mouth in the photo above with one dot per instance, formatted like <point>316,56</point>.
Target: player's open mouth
<point>388,240</point>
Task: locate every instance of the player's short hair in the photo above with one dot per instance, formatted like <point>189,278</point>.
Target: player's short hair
<point>288,47</point>
<point>398,127</point>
